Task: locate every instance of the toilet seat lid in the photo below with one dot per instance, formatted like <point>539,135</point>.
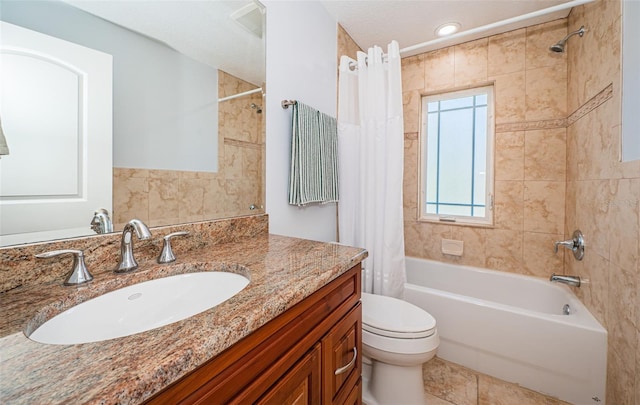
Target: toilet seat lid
<point>388,316</point>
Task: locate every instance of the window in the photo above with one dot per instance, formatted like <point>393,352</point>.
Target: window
<point>456,182</point>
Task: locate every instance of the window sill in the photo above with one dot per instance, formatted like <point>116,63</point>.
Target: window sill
<point>458,222</point>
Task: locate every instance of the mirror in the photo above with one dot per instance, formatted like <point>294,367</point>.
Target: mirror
<point>220,38</point>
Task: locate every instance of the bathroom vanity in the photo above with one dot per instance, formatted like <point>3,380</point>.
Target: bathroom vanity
<point>292,335</point>
<point>308,355</point>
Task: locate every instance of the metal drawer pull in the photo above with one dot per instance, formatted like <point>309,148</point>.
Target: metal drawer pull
<point>348,366</point>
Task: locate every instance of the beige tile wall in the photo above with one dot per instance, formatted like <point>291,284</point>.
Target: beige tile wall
<point>162,197</point>
<point>557,169</point>
<point>602,197</point>
<point>448,383</point>
<point>346,44</point>
<point>530,148</point>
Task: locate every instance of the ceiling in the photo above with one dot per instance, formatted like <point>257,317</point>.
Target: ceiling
<point>201,29</point>
<point>412,22</point>
<point>204,30</point>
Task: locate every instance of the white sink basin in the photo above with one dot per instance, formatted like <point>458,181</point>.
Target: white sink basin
<point>140,307</point>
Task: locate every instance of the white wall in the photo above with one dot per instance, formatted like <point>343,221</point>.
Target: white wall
<point>159,95</point>
<point>301,65</point>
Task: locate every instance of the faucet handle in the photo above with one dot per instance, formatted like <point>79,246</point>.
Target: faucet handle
<point>576,244</point>
<point>167,256</point>
<point>79,273</point>
<point>567,243</point>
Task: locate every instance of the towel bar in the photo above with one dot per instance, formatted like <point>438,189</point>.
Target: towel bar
<point>286,103</point>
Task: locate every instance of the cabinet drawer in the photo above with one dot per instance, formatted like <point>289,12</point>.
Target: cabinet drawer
<point>342,357</point>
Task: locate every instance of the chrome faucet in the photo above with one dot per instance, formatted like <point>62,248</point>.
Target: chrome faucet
<point>127,261</point>
<point>101,222</point>
<point>573,281</point>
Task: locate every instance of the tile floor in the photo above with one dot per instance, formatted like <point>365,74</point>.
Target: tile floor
<point>447,383</point>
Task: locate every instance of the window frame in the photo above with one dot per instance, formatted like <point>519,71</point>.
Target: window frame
<point>488,219</point>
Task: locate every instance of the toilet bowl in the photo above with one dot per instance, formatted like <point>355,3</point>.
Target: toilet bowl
<point>397,338</point>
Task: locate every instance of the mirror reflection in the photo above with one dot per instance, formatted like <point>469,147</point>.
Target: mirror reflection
<point>188,111</point>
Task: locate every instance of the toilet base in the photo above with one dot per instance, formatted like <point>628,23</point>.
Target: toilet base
<point>367,396</point>
<point>394,385</point>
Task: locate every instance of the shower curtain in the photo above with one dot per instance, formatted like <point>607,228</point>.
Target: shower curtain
<point>371,148</point>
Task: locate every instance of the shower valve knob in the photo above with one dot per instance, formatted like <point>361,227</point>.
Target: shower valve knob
<point>576,244</point>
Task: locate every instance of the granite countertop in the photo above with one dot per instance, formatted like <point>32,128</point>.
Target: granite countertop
<point>283,271</point>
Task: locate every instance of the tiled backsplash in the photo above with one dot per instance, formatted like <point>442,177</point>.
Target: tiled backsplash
<point>19,267</point>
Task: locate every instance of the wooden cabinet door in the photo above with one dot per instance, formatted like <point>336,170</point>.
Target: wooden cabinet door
<point>341,357</point>
<point>355,396</point>
<point>300,385</point>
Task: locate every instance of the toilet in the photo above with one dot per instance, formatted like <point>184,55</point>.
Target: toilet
<point>397,338</point>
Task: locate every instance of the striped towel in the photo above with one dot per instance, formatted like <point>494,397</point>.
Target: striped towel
<point>314,157</point>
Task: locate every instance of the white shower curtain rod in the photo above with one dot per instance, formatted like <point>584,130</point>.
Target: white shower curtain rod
<point>498,24</point>
<point>513,20</point>
<point>245,93</point>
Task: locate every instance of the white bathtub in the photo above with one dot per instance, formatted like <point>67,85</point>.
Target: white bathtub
<point>512,327</point>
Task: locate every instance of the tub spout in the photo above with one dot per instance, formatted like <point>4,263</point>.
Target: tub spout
<point>571,280</point>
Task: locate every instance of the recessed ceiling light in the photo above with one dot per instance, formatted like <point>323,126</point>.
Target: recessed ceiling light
<point>447,29</point>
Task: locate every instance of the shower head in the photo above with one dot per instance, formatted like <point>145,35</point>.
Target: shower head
<point>257,108</point>
<point>559,46</point>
